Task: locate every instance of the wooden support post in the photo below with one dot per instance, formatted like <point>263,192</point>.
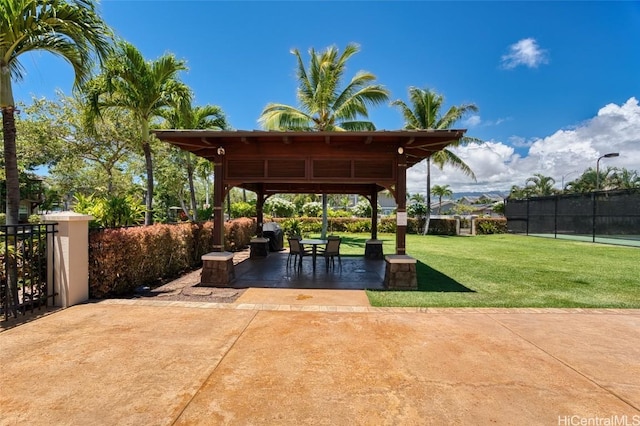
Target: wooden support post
<point>401,200</point>
<point>218,200</point>
<point>260,212</point>
<point>374,213</point>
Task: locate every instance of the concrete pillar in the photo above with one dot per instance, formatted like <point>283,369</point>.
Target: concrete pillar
<point>217,269</point>
<point>401,201</point>
<point>68,263</point>
<point>400,273</point>
<point>473,224</point>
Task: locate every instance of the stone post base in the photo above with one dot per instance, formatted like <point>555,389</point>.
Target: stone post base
<point>217,269</point>
<point>259,247</point>
<point>400,272</point>
<point>373,250</point>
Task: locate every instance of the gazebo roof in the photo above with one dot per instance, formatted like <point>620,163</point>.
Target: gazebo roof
<point>311,162</point>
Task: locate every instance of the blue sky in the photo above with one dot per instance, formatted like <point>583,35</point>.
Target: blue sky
<point>557,83</point>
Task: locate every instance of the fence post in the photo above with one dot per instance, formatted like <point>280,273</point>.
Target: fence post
<point>593,237</point>
<point>473,224</point>
<point>70,261</point>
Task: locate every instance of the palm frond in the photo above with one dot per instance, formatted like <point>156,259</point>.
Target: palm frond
<point>411,122</point>
<point>358,126</point>
<point>446,156</point>
<point>284,117</point>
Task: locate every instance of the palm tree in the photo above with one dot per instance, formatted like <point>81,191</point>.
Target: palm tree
<point>69,29</point>
<point>441,191</point>
<point>185,116</point>
<point>324,104</point>
<point>425,113</point>
<point>416,198</point>
<point>145,88</point>
<point>541,185</point>
<point>625,179</point>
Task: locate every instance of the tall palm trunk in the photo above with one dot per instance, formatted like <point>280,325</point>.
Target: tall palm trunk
<point>148,159</point>
<point>428,217</point>
<point>11,164</point>
<point>148,215</point>
<point>192,189</point>
<point>13,201</point>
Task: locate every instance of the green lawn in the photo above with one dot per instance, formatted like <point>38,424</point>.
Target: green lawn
<point>512,271</point>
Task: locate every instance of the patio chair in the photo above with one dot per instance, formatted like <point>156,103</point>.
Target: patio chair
<point>331,251</point>
<point>322,249</point>
<point>297,251</point>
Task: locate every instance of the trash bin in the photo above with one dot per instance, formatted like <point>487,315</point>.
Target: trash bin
<point>274,233</point>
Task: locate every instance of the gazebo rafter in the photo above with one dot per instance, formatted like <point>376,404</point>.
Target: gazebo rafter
<point>270,162</point>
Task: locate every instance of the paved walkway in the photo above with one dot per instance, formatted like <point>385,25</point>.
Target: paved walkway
<point>163,363</point>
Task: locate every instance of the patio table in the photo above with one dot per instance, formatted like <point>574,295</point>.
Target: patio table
<point>314,248</point>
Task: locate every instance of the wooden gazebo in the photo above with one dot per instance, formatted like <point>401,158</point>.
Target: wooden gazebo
<point>270,162</point>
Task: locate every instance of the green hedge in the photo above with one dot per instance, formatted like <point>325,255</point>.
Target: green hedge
<point>122,259</point>
<point>491,226</point>
<point>313,225</point>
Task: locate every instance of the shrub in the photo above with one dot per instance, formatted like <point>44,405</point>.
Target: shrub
<point>291,227</point>
<point>3,218</point>
<point>204,214</point>
<point>359,226</point>
<point>279,207</point>
<point>34,218</point>
<point>417,210</point>
<point>311,225</point>
<point>122,259</point>
<point>362,209</point>
<point>111,211</point>
<point>242,209</point>
<point>338,213</point>
<point>312,209</point>
<point>491,226</point>
<point>442,227</point>
<point>388,225</point>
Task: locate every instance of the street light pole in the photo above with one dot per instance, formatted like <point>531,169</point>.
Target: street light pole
<point>609,155</point>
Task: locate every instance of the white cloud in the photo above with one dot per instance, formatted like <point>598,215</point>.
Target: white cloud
<point>520,142</point>
<point>477,121</point>
<point>472,121</point>
<point>616,128</point>
<point>525,52</point>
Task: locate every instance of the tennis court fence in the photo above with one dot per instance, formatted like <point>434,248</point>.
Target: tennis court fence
<point>605,214</point>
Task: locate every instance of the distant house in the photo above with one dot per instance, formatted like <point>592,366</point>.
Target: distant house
<point>447,207</point>
<point>482,205</point>
<point>31,196</point>
<point>387,204</point>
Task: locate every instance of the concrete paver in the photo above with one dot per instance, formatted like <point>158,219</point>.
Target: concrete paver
<point>111,364</point>
<point>286,296</point>
<point>142,363</point>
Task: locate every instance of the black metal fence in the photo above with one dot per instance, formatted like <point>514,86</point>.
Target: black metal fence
<point>610,215</point>
<point>25,283</point>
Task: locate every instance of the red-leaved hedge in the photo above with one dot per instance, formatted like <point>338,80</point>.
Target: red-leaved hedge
<point>122,259</point>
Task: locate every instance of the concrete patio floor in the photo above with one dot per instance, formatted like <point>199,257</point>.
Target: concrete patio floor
<point>161,363</point>
<point>272,272</point>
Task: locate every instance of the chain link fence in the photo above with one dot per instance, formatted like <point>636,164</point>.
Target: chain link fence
<point>604,216</point>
